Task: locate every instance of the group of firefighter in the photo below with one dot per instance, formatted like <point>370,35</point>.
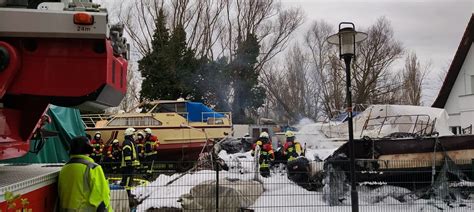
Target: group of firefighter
<point>266,156</point>
<point>136,153</point>
<point>139,150</point>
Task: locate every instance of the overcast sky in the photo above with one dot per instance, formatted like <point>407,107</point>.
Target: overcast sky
<point>431,28</point>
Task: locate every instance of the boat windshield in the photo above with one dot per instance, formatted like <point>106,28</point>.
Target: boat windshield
<point>177,107</point>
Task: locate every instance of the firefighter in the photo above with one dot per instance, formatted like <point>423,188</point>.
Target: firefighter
<point>140,145</point>
<point>82,185</point>
<point>291,149</point>
<point>129,159</point>
<point>116,155</point>
<point>266,153</point>
<point>107,158</point>
<point>112,156</point>
<point>151,150</point>
<point>98,145</point>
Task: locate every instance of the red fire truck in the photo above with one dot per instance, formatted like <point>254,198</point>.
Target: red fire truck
<point>51,52</point>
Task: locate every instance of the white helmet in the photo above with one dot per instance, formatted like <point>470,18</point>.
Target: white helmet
<point>148,130</point>
<point>141,133</point>
<point>129,131</point>
<point>289,134</point>
<point>264,135</point>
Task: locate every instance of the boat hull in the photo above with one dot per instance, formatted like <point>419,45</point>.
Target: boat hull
<point>411,159</point>
<point>177,144</point>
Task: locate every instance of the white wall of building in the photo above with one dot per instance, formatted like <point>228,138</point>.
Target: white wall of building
<point>460,103</point>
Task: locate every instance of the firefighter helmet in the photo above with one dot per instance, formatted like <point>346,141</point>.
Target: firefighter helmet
<point>264,135</point>
<point>143,134</point>
<point>97,135</point>
<point>289,134</point>
<point>129,131</point>
<point>148,130</point>
<point>115,141</point>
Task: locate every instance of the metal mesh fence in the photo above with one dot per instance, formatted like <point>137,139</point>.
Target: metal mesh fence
<point>238,185</point>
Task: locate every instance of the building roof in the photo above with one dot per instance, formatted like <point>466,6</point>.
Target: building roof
<point>456,65</point>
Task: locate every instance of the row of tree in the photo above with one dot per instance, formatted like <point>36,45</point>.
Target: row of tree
<point>210,51</point>
<point>231,54</point>
<point>312,83</point>
<point>171,70</point>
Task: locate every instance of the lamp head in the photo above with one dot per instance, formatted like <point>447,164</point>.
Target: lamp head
<point>346,39</point>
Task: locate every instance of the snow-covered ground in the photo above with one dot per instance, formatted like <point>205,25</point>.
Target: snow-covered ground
<point>281,194</point>
<point>157,194</point>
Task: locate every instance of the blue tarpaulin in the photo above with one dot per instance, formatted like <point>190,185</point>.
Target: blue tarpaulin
<point>200,112</point>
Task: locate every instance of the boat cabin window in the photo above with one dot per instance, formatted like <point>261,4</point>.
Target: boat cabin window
<point>216,121</point>
<point>467,130</point>
<point>456,130</point>
<point>134,121</point>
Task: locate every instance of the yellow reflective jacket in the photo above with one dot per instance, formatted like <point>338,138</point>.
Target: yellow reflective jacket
<point>75,194</point>
<point>292,150</point>
<point>129,154</point>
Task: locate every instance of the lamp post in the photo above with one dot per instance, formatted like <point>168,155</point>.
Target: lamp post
<point>346,39</point>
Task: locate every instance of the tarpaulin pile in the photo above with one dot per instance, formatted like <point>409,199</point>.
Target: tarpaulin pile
<point>67,122</point>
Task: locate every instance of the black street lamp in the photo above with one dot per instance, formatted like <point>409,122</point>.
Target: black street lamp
<point>346,40</point>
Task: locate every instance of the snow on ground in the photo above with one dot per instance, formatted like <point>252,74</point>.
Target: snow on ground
<point>239,162</point>
<point>157,194</point>
<point>281,194</point>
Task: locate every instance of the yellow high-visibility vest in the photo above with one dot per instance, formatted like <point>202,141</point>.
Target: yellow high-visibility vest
<point>132,158</point>
<point>82,185</point>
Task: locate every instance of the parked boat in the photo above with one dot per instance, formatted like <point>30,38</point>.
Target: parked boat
<point>183,128</point>
<point>399,139</point>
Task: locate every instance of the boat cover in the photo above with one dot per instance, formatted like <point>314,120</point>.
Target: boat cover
<point>387,119</point>
<point>198,112</point>
<point>67,122</point>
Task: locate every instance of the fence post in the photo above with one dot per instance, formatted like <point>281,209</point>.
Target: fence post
<point>217,186</point>
<point>472,168</point>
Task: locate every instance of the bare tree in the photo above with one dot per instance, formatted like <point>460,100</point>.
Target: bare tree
<point>373,81</point>
<point>214,27</point>
<point>325,67</point>
<point>139,20</point>
<point>413,76</point>
<point>275,35</point>
<point>275,94</point>
<point>441,76</point>
<point>293,92</point>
